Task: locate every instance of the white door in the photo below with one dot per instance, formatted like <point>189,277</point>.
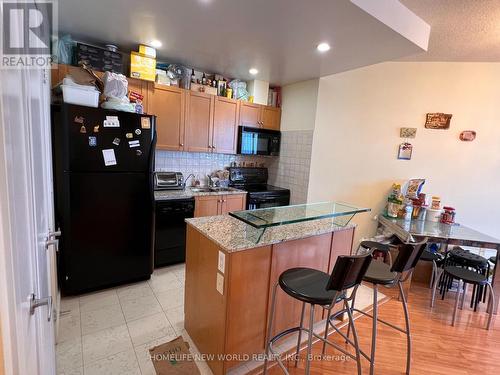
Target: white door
<point>26,206</point>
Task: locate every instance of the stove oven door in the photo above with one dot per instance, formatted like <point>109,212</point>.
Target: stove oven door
<point>255,202</point>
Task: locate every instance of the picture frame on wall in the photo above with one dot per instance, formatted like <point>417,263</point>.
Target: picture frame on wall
<point>405,151</point>
<point>438,121</point>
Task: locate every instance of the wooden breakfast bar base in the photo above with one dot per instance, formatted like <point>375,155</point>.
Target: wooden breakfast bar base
<point>229,282</point>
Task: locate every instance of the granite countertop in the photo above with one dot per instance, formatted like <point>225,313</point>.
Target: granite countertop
<point>162,195</point>
<point>234,235</point>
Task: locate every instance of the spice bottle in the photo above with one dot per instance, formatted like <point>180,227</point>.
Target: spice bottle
<point>436,203</point>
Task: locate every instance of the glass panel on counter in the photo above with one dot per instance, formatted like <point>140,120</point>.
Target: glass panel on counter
<point>341,214</point>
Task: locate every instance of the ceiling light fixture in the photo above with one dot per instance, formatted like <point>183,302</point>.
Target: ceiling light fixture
<point>253,71</point>
<point>323,47</point>
<point>155,43</point>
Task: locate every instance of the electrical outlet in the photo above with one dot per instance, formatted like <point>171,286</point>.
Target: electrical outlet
<point>220,283</point>
<point>222,262</point>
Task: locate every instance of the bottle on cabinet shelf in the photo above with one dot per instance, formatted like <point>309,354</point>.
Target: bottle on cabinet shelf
<point>193,77</point>
<point>204,79</point>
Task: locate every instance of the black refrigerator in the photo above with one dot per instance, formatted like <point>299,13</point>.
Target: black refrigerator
<point>104,203</point>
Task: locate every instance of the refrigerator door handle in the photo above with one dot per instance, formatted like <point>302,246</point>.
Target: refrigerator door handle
<point>152,165</point>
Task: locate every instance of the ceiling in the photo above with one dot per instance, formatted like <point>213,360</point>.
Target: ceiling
<point>277,37</point>
<point>462,30</point>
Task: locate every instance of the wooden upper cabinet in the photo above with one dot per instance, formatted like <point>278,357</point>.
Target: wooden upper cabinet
<point>142,87</point>
<point>271,118</point>
<point>250,114</point>
<point>168,104</point>
<point>225,128</point>
<point>199,120</point>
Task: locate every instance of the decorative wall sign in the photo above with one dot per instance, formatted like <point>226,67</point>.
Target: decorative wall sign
<point>438,121</point>
<point>468,135</point>
<point>408,132</point>
<point>405,151</point>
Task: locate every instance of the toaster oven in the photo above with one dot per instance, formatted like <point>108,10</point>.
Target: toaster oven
<point>169,181</point>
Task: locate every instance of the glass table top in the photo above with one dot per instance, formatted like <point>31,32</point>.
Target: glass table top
<point>263,218</point>
<point>438,230</point>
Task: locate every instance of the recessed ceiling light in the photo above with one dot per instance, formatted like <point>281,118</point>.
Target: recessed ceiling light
<point>253,71</point>
<point>323,47</point>
<point>155,43</point>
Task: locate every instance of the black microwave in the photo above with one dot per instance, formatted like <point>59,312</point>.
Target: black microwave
<point>255,141</point>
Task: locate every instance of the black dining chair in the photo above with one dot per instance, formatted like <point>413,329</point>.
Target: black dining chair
<point>380,273</point>
<point>318,288</point>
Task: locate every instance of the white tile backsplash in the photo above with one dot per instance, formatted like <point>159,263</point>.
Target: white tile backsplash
<point>291,169</point>
<point>201,164</point>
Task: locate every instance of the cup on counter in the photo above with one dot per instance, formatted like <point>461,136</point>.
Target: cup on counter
<point>433,215</point>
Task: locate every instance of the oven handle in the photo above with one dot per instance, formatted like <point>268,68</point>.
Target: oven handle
<point>266,199</point>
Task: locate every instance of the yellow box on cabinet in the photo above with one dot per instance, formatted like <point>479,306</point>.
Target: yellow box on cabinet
<point>142,67</point>
<point>147,51</point>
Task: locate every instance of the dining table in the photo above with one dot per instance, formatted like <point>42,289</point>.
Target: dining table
<point>445,234</point>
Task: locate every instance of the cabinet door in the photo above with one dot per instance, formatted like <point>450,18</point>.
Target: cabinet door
<point>57,73</point>
<point>250,114</point>
<point>225,129</point>
<point>168,104</point>
<point>199,119</point>
<point>232,203</point>
<point>207,205</point>
<point>140,86</point>
<point>271,117</point>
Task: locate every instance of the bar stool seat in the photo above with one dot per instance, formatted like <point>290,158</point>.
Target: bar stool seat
<point>380,273</point>
<point>467,275</point>
<point>319,289</point>
<point>389,275</point>
<point>308,285</point>
<point>466,259</point>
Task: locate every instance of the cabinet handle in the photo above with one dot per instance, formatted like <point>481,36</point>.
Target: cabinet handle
<point>181,144</point>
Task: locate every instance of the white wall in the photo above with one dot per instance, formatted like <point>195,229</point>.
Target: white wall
<point>298,115</point>
<point>356,138</point>
<point>298,105</point>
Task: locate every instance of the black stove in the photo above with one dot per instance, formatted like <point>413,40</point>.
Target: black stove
<point>260,194</point>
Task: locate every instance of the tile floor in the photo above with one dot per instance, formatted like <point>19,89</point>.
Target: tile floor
<point>109,332</point>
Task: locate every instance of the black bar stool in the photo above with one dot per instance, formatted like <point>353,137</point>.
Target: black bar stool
<point>380,273</point>
<point>467,276</point>
<point>319,288</point>
<point>465,259</point>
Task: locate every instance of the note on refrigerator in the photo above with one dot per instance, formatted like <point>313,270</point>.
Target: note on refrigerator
<point>109,157</point>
